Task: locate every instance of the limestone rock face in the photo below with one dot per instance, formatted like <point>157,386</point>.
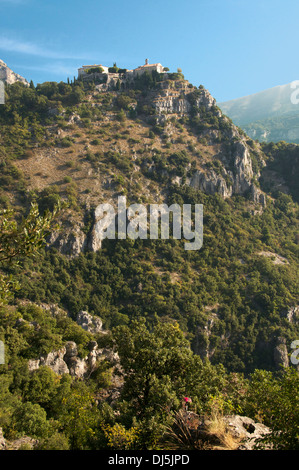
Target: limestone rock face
<point>177,101</point>
<point>246,429</point>
<point>67,360</point>
<point>171,105</point>
<point>201,342</point>
<point>54,360</point>
<point>280,354</point>
<point>93,355</point>
<point>77,367</point>
<point>210,183</point>
<point>70,243</point>
<point>100,225</point>
<point>258,196</point>
<point>10,77</point>
<point>243,432</point>
<point>293,314</point>
<point>89,323</point>
<point>206,100</point>
<point>33,364</point>
<point>229,182</point>
<point>181,102</point>
<point>243,168</point>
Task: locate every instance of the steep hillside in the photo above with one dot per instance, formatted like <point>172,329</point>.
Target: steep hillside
<point>175,317</point>
<point>161,140</point>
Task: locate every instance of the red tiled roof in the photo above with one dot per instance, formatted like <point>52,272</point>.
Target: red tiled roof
<point>146,65</point>
<point>149,65</point>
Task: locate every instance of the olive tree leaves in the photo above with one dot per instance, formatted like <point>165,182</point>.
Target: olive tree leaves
<point>21,239</point>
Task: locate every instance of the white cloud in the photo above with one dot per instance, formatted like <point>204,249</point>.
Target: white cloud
<point>53,68</point>
<point>15,45</point>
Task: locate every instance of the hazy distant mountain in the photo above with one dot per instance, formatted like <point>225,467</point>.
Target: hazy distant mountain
<point>270,115</point>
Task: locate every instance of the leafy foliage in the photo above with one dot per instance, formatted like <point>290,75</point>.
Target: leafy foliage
<point>22,239</point>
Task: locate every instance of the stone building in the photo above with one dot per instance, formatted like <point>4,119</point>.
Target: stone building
<point>84,68</point>
<point>129,74</point>
<point>148,68</point>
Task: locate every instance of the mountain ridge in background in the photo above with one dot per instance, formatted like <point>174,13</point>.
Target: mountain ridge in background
<point>271,115</point>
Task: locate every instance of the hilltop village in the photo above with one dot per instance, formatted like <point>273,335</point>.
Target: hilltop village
<point>108,76</point>
<point>86,70</point>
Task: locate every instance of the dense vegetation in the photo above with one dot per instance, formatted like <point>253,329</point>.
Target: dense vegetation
<point>62,412</point>
<point>202,324</point>
<point>283,159</point>
<point>127,280</point>
<point>274,129</point>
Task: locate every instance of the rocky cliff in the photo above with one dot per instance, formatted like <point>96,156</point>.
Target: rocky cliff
<point>191,143</point>
<point>67,359</point>
<point>235,174</point>
<point>226,169</point>
<point>10,77</point>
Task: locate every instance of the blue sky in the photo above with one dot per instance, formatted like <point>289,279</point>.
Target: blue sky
<point>232,47</point>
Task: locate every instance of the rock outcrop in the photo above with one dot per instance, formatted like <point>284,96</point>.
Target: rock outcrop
<point>77,367</point>
<point>210,183</point>
<point>10,77</point>
<point>247,430</point>
<point>258,196</point>
<point>179,99</point>
<point>280,354</point>
<point>231,432</point>
<point>242,168</point>
<point>90,323</point>
<point>68,361</point>
<point>54,360</point>
<point>71,242</point>
<point>236,178</point>
<point>292,314</point>
<point>22,443</point>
